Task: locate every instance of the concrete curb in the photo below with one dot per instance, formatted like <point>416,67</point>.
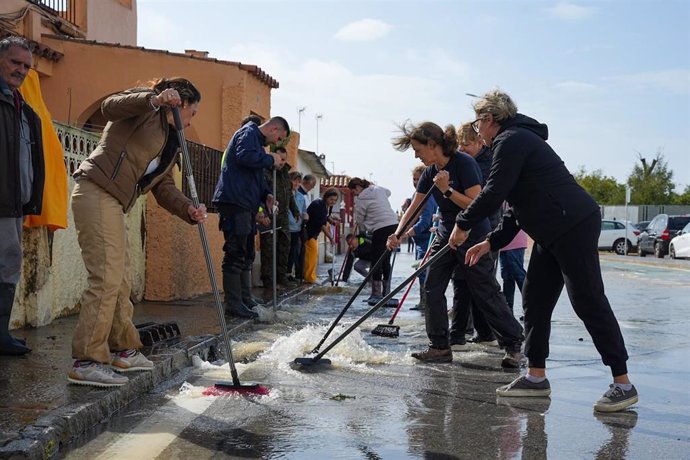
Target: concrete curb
<point>44,438</point>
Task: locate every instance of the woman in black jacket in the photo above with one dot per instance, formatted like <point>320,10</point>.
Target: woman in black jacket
<point>564,222</point>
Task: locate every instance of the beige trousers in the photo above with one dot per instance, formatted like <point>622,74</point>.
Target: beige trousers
<point>105,319</point>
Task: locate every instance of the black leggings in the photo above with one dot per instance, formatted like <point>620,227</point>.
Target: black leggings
<point>378,247</point>
<point>571,261</point>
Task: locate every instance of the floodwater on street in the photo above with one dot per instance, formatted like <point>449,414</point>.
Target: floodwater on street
<point>376,402</point>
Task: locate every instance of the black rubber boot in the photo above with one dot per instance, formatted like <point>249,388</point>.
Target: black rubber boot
<point>376,293</point>
<point>232,285</point>
<point>247,298</point>
<point>8,344</point>
<point>422,298</point>
<point>392,303</point>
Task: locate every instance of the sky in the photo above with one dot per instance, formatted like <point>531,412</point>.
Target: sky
<point>611,79</point>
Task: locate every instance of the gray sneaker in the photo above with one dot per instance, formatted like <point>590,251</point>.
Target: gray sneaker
<point>511,360</point>
<point>95,374</point>
<point>521,387</point>
<point>130,360</point>
<point>616,399</point>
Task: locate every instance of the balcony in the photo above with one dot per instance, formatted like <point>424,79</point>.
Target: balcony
<point>78,145</point>
<point>66,9</point>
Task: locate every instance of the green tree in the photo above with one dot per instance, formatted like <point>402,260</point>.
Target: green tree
<point>683,198</point>
<point>651,183</point>
<point>604,190</point>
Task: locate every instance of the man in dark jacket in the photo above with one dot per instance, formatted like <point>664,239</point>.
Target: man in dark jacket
<point>286,204</point>
<point>21,177</point>
<point>240,191</point>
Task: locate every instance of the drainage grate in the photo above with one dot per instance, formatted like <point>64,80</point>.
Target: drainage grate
<point>152,333</point>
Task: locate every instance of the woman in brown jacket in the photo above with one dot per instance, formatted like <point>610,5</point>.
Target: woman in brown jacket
<point>135,155</point>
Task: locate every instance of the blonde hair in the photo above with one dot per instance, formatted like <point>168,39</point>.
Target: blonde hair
<point>418,169</point>
<point>466,134</point>
<point>498,104</point>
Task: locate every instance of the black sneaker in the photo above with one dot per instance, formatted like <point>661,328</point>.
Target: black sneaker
<point>485,341</point>
<point>460,345</point>
<point>616,399</point>
<point>523,388</point>
<point>434,355</point>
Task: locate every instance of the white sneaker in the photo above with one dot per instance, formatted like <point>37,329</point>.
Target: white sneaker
<point>95,374</point>
<point>130,360</point>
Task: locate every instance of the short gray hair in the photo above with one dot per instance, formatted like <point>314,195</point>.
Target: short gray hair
<point>498,104</point>
<point>13,40</point>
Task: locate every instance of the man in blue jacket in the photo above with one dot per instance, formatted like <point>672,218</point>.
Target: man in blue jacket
<point>241,189</point>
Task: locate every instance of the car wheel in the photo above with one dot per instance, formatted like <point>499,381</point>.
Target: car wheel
<point>672,252</point>
<point>619,247</point>
<point>658,251</point>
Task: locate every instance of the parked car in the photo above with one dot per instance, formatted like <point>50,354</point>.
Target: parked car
<point>642,226</point>
<point>656,238</point>
<point>613,235</point>
<point>679,247</point>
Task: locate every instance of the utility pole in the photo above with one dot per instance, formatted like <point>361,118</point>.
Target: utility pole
<point>300,111</point>
<point>319,116</point>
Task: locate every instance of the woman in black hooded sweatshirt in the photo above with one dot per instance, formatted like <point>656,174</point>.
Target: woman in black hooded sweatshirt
<point>564,222</point>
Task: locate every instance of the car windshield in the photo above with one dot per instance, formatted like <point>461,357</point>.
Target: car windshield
<point>677,223</point>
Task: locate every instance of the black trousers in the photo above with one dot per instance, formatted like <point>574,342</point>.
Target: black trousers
<point>239,250</point>
<point>571,261</point>
<point>483,290</point>
<point>378,248</point>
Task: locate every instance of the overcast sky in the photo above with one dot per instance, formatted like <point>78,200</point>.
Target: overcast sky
<point>609,78</point>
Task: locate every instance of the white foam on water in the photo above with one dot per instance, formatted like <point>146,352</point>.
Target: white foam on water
<point>352,352</point>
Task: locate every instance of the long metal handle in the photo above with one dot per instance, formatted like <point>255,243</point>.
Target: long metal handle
<point>274,248</point>
<point>187,166</point>
<point>378,263</point>
<point>382,302</point>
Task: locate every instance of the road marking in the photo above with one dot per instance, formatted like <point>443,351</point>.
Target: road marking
<point>150,438</point>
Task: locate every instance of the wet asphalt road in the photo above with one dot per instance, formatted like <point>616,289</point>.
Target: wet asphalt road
<point>377,402</point>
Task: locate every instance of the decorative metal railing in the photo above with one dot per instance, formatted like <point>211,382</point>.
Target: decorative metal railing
<point>66,9</point>
<point>78,145</point>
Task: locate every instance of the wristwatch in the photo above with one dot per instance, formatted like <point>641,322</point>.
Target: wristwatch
<point>448,192</point>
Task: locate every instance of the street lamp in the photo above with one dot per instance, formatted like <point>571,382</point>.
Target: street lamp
<point>319,116</point>
<point>300,111</point>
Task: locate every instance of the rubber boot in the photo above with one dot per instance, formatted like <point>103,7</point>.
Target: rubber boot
<point>376,293</point>
<point>247,298</point>
<point>8,344</point>
<point>392,303</point>
<point>421,306</point>
<point>232,285</point>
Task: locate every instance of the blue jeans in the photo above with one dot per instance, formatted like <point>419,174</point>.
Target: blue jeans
<point>512,272</point>
<point>420,250</point>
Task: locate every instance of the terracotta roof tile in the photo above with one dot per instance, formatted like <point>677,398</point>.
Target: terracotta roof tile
<point>250,68</point>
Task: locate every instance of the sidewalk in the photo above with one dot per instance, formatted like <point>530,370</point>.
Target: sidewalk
<point>39,410</point>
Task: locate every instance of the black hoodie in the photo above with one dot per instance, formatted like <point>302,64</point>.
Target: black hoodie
<point>526,172</point>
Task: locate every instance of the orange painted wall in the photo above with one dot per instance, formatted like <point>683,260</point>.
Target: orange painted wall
<point>88,72</point>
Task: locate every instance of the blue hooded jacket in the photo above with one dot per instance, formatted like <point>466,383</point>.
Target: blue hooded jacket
<point>242,182</point>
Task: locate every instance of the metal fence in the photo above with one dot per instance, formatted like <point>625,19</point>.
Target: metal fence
<point>78,144</point>
<point>66,9</point>
<point>206,170</point>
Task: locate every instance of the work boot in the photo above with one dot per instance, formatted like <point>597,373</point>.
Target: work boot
<point>8,344</point>
<point>247,298</point>
<point>421,306</point>
<point>376,293</point>
<point>232,285</point>
<point>392,303</point>
<point>434,355</point>
<point>286,283</point>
